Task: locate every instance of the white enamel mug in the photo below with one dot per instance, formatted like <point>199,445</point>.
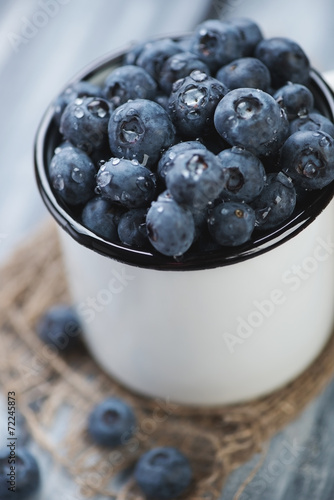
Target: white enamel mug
<point>211,329</point>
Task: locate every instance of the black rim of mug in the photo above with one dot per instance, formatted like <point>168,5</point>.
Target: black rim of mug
<point>48,137</point>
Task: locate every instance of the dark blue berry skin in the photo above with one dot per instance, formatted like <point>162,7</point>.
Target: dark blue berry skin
<point>196,178</point>
<point>179,66</point>
<point>250,32</point>
<point>60,327</point>
<point>126,182</point>
<point>297,100</point>
<point>245,72</point>
<point>140,129</point>
<point>217,43</point>
<point>244,174</point>
<point>154,55</point>
<point>102,217</point>
<point>72,175</point>
<point>231,223</point>
<point>163,473</point>
<point>166,161</point>
<point>285,59</point>
<point>276,202</point>
<point>79,89</point>
<point>132,228</point>
<point>170,227</point>
<point>313,121</point>
<point>252,119</point>
<point>111,423</point>
<point>193,102</point>
<point>84,123</point>
<point>129,82</point>
<point>27,475</point>
<point>308,158</point>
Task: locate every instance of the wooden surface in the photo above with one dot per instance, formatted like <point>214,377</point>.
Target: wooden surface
<point>34,64</point>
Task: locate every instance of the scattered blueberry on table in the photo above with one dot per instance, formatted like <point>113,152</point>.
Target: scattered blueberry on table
<point>185,140</point>
<point>26,480</point>
<point>163,473</point>
<point>60,328</point>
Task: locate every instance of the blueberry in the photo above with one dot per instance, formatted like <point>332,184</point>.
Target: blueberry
<point>245,72</point>
<point>111,423</point>
<point>27,474</point>
<point>244,174</point>
<point>285,59</point>
<point>276,202</point>
<point>72,175</point>
<point>251,118</point>
<point>102,217</point>
<point>250,32</point>
<point>154,54</point>
<point>297,100</point>
<point>79,89</point>
<point>163,473</point>
<point>193,102</point>
<point>140,129</point>
<point>308,158</point>
<point>84,122</point>
<point>129,82</point>
<point>166,161</point>
<point>60,327</point>
<point>179,66</point>
<point>132,228</point>
<point>170,227</point>
<point>312,121</point>
<point>126,182</point>
<point>196,178</point>
<point>231,223</point>
<point>216,43</point>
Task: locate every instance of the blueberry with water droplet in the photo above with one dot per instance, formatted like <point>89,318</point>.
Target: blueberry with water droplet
<point>196,178</point>
<point>112,422</point>
<point>163,473</point>
<point>72,175</point>
<point>314,122</point>
<point>296,99</point>
<point>170,227</point>
<point>27,474</point>
<point>129,82</point>
<point>308,158</point>
<point>193,102</point>
<point>140,129</point>
<point>245,72</point>
<point>251,118</point>
<point>276,202</point>
<point>132,228</point>
<point>84,123</point>
<point>102,216</point>
<point>126,182</point>
<point>231,223</point>
<point>79,89</point>
<point>216,43</point>
<point>179,66</point>
<point>244,174</point>
<point>166,161</point>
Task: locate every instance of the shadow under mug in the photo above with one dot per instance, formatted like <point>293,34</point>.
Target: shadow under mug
<point>215,328</point>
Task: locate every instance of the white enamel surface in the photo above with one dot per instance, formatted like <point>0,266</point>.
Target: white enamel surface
<point>214,336</point>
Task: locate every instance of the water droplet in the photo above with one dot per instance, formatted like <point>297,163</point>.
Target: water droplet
<point>177,65</point>
<point>160,210</point>
<point>135,162</point>
<point>197,165</point>
<point>98,107</point>
<point>172,155</point>
<point>143,184</point>
<point>116,161</point>
<point>77,175</point>
<point>194,97</point>
<point>324,142</point>
<point>58,183</point>
<point>302,113</point>
<point>211,220</point>
<point>198,75</point>
<point>78,101</point>
<point>278,199</point>
<point>125,196</point>
<point>57,150</point>
<point>104,178</point>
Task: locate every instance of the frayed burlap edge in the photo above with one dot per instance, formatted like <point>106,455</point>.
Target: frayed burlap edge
<point>52,388</point>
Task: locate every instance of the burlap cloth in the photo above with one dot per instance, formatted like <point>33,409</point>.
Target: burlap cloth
<point>51,388</point>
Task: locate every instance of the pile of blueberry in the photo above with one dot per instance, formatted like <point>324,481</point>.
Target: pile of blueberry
<point>194,143</point>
